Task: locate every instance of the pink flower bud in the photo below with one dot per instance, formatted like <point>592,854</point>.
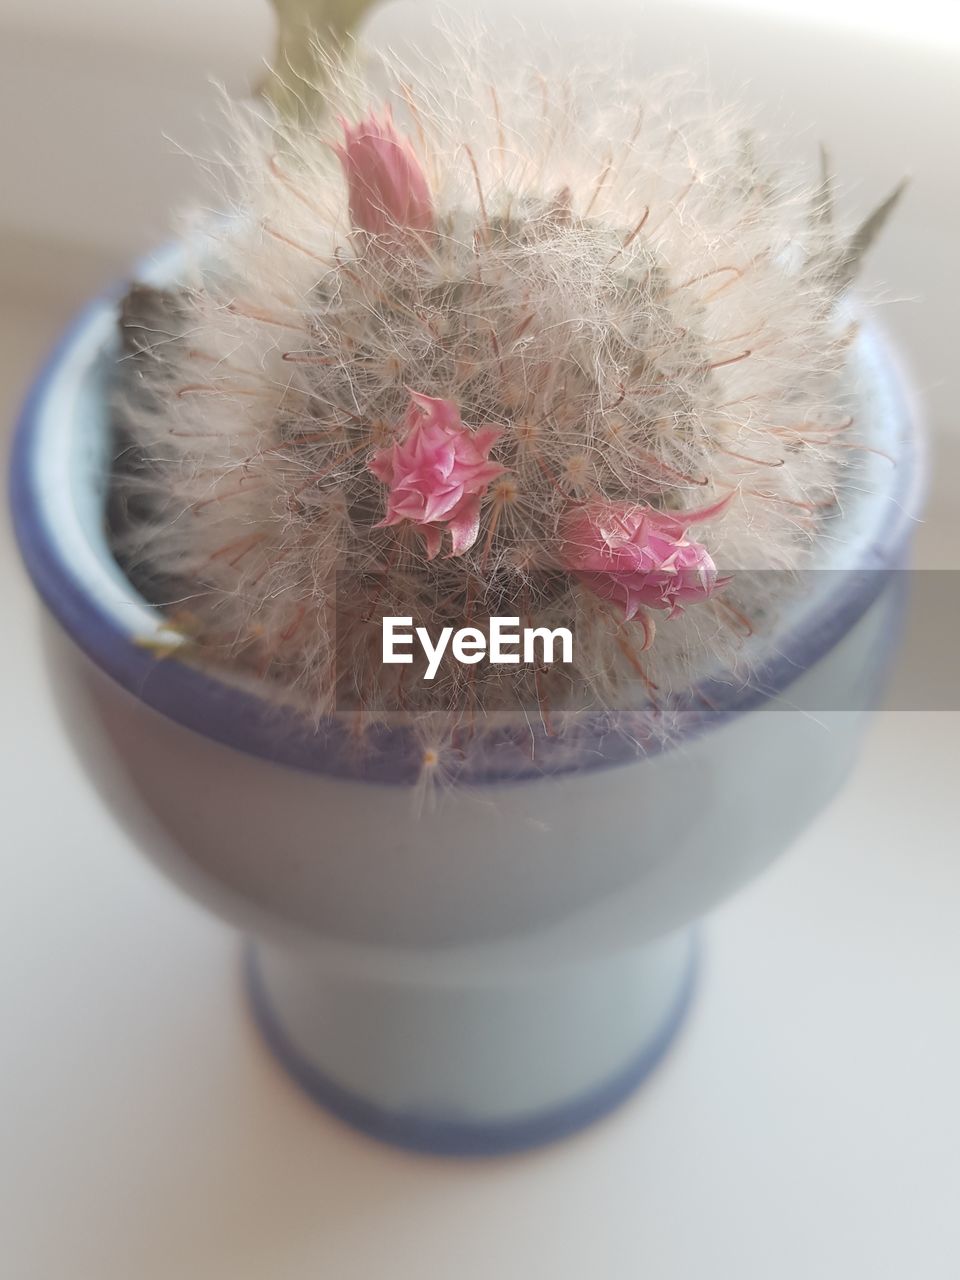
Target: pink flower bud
<point>635,555</point>
<point>387,188</point>
<point>437,473</point>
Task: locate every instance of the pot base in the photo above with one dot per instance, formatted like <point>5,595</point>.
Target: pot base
<point>662,978</point>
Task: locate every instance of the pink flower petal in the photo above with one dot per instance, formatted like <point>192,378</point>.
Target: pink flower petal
<point>464,526</point>
<point>433,538</point>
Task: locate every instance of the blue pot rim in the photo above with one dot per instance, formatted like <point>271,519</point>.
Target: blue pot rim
<point>231,714</point>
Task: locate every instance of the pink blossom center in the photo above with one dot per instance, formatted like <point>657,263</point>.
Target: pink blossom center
<point>437,472</point>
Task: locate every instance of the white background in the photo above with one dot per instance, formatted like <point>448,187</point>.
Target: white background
<point>807,1123</point>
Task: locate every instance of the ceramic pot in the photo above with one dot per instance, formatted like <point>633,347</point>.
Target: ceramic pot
<point>501,968</point>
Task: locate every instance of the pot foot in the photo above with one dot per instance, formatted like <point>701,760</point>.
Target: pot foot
<point>453,1119</point>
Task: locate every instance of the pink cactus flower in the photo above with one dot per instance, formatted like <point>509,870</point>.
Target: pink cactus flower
<point>634,555</point>
<point>437,473</point>
<point>388,191</point>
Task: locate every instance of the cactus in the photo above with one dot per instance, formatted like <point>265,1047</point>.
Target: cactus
<point>491,345</point>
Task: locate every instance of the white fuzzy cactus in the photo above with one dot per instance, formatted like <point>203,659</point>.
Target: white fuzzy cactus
<point>596,311</point>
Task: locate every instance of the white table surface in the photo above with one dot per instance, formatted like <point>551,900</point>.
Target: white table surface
<point>806,1125</point>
